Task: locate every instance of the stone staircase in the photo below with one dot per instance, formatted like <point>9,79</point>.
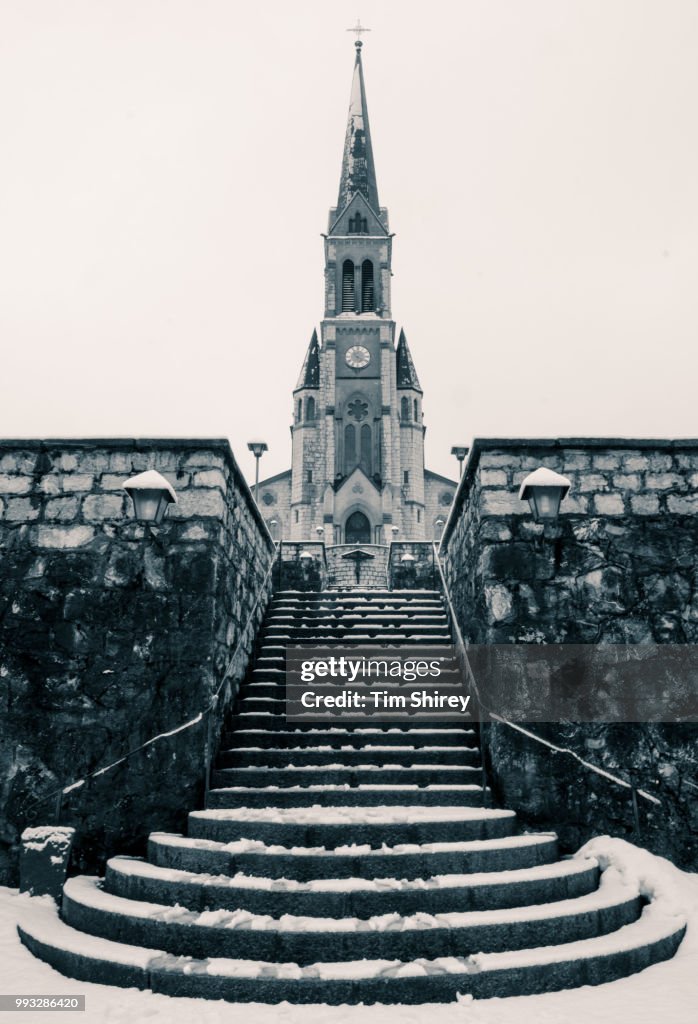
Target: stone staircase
<point>349,863</point>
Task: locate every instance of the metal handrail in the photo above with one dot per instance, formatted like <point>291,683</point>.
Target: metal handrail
<point>461,646</point>
<point>58,794</point>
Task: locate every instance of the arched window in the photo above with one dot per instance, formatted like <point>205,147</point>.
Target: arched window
<point>366,453</point>
<point>405,410</point>
<point>349,448</point>
<point>310,408</point>
<point>348,287</point>
<point>368,302</point>
<point>416,411</point>
<point>299,416</point>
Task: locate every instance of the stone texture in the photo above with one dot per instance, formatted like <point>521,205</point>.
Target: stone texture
<point>111,633</point>
<point>621,567</point>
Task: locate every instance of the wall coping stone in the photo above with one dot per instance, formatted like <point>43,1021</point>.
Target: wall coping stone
<point>483,444</point>
<point>220,445</point>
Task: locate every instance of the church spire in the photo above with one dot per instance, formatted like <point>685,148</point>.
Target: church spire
<point>310,371</point>
<point>358,168</point>
<point>406,373</point>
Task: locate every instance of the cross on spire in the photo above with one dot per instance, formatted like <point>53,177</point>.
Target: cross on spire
<point>358,31</point>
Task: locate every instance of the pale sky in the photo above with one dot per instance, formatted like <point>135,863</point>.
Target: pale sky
<point>167,167</point>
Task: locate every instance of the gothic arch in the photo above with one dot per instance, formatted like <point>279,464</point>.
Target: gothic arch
<point>348,301</point>
<point>357,528</point>
<point>368,291</point>
<point>310,408</point>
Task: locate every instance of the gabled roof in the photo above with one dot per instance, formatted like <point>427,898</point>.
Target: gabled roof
<point>406,373</point>
<point>358,167</point>
<point>359,200</point>
<point>310,371</point>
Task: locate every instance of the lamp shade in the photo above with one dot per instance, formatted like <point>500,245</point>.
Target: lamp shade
<point>544,489</point>
<point>460,451</point>
<point>151,494</point>
<point>258,448</point>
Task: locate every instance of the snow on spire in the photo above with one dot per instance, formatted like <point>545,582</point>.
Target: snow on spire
<point>358,168</point>
<point>406,373</point>
<point>310,372</point>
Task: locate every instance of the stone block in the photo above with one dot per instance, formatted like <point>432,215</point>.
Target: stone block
<point>493,478</point>
<point>198,502</point>
<point>113,481</point>
<point>575,504</point>
<point>572,460</point>
<point>609,504</point>
<point>606,461</point>
<point>502,503</point>
<point>627,481</point>
<point>665,482</point>
<point>97,507</point>
<point>52,483</point>
<point>64,536</point>
<point>693,481</point>
<point>61,509</point>
<point>209,478</point>
<point>499,601</point>
<point>205,459</point>
<point>67,462</point>
<point>592,482</point>
<point>644,504</point>
<point>14,484</point>
<point>21,510</point>
<point>660,463</point>
<point>685,505</point>
<point>75,482</point>
<point>495,460</point>
<point>17,462</point>
<point>635,463</point>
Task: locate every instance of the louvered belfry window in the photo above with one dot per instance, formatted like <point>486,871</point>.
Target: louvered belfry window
<point>368,302</point>
<point>348,287</point>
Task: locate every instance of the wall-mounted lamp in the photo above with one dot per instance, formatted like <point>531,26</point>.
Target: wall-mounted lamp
<point>320,530</point>
<point>306,558</point>
<point>544,489</point>
<point>407,559</point>
<point>460,451</point>
<point>394,530</point>
<point>258,448</point>
<point>151,494</point>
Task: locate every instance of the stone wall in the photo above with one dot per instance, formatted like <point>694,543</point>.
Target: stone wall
<point>111,632</point>
<point>412,565</point>
<point>302,566</point>
<point>342,566</point>
<point>619,567</point>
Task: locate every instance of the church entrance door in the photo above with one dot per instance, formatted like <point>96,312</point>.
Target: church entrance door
<point>357,529</point>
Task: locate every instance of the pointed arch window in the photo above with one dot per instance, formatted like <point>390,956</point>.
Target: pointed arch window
<point>310,408</point>
<point>349,448</point>
<point>348,287</point>
<point>368,300</point>
<point>416,411</point>
<point>405,410</point>
<point>366,449</point>
<point>299,417</point>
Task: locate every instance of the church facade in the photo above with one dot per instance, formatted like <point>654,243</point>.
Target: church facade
<point>357,474</point>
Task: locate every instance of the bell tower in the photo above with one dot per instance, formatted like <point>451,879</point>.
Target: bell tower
<point>357,469</point>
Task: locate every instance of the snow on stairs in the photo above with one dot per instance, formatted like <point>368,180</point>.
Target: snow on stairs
<point>347,864</point>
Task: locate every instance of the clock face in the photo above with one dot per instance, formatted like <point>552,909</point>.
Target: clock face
<point>357,357</point>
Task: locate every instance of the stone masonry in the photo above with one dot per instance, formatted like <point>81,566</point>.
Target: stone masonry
<point>619,567</point>
<point>110,634</point>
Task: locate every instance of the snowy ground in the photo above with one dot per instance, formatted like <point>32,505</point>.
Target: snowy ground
<point>666,993</point>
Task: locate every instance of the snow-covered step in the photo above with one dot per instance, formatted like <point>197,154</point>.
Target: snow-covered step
<point>336,737</point>
<point>273,720</point>
<point>651,939</point>
<point>350,859</point>
<point>303,939</point>
<point>351,897</point>
<point>265,757</point>
<point>327,825</point>
<point>337,774</point>
<point>365,794</point>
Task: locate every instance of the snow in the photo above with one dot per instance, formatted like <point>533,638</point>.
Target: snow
<point>560,869</point>
<point>612,891</point>
<point>257,846</point>
<point>41,836</point>
<point>665,992</point>
<point>382,815</point>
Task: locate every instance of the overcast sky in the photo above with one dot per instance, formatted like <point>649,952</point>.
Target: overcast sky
<point>167,167</point>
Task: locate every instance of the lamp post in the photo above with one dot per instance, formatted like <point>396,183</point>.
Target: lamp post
<point>460,451</point>
<point>439,524</point>
<point>151,493</point>
<point>544,489</point>
<point>258,448</point>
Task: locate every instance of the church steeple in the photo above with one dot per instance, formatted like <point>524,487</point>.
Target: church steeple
<point>406,373</point>
<point>358,167</point>
<point>310,371</point>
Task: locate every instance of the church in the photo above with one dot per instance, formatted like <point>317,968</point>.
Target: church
<point>357,471</point>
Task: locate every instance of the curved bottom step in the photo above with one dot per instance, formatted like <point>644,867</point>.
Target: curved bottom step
<point>653,938</point>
